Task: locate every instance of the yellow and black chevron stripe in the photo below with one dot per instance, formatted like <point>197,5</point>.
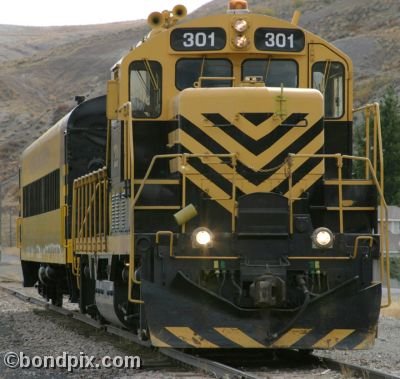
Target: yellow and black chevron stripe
<point>260,161</point>
<point>234,337</point>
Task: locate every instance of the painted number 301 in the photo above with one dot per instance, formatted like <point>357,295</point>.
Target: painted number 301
<point>279,40</point>
<point>198,39</point>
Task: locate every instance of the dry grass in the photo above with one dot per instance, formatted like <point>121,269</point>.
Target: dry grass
<point>393,310</point>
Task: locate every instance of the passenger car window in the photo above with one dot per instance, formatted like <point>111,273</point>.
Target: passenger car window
<point>328,77</point>
<point>146,88</point>
<point>188,71</point>
<point>274,72</point>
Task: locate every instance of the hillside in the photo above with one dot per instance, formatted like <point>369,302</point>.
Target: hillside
<point>42,69</point>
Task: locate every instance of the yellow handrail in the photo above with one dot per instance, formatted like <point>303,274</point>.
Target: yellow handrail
<point>353,256</point>
<point>64,214</point>
<point>89,216</point>
<point>384,213</point>
<point>135,198</point>
<point>359,238</point>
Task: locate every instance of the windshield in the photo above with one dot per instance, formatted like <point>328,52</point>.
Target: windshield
<point>188,72</point>
<point>274,72</point>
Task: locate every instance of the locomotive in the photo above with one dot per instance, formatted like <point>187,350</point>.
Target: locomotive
<point>208,199</point>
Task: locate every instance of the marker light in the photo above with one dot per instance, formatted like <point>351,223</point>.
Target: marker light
<point>202,237</point>
<point>238,4</point>
<point>241,42</point>
<point>240,25</point>
<point>322,238</point>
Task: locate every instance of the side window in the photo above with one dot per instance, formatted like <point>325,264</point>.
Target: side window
<point>146,88</point>
<point>273,72</point>
<point>328,77</point>
<point>188,71</point>
<point>42,196</point>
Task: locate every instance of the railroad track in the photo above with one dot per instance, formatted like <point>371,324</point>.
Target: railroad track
<point>216,364</point>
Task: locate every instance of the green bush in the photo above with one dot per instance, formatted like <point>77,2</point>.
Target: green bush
<point>395,268</point>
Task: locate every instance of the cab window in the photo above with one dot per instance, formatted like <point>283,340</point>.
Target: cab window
<point>145,88</point>
<point>328,77</point>
<point>188,71</point>
<point>273,72</point>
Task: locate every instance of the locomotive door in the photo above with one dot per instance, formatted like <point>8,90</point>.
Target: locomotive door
<point>330,73</point>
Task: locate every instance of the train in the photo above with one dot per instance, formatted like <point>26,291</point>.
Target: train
<point>208,200</point>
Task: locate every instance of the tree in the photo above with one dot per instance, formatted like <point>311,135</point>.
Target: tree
<point>390,121</point>
<point>390,126</point>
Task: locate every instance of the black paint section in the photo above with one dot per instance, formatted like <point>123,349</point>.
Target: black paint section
<point>257,118</point>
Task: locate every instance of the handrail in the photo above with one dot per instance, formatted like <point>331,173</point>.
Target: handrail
<point>184,156</point>
<point>171,239</point>
<point>377,146</point>
<point>359,238</point>
<point>126,114</point>
<point>64,214</point>
<point>384,260</point>
<point>89,216</point>
<point>345,258</point>
<point>126,111</point>
<point>135,198</point>
<point>188,257</point>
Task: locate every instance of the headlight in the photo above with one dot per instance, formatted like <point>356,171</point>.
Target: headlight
<point>322,238</point>
<point>240,25</point>
<point>202,237</point>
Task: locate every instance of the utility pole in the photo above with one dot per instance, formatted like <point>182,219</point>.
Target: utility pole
<point>10,226</point>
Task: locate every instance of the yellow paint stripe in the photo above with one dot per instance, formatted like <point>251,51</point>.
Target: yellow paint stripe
<point>333,338</point>
<point>368,342</point>
<point>157,342</point>
<point>291,337</point>
<point>238,337</point>
<point>190,337</point>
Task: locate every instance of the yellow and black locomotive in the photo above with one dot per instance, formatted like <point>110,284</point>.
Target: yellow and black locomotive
<point>208,200</point>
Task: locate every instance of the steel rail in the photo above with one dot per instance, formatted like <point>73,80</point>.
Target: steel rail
<point>351,369</point>
<point>215,369</point>
<point>210,367</point>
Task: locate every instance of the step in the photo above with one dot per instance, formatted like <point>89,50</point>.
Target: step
<point>350,182</point>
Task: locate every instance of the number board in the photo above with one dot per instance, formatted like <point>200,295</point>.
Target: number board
<point>272,39</point>
<point>198,39</point>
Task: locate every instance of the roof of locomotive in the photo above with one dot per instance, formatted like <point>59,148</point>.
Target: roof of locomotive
<point>224,20</point>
